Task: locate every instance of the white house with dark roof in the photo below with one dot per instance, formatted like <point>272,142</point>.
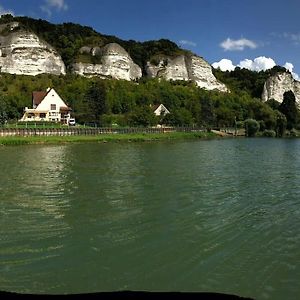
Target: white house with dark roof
<point>47,106</point>
<point>160,109</point>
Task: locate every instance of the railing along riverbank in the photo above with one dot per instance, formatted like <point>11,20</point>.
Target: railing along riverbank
<point>5,132</point>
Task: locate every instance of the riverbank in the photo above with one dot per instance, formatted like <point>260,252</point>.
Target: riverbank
<point>104,138</point>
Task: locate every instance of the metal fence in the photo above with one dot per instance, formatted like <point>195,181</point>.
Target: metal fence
<point>91,131</point>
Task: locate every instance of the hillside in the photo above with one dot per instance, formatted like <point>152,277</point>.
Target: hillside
<point>81,50</point>
<point>69,38</point>
<point>85,67</point>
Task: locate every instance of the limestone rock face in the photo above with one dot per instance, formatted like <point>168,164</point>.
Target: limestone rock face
<point>115,63</point>
<point>23,53</point>
<point>186,67</point>
<point>169,69</point>
<point>277,85</point>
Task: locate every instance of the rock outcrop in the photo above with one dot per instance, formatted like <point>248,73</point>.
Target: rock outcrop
<point>115,63</point>
<point>278,84</point>
<point>186,67</point>
<point>23,53</point>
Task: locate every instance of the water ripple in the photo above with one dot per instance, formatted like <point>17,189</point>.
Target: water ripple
<point>219,216</point>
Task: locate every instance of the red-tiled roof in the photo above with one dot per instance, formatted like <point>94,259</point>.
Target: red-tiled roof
<point>38,97</point>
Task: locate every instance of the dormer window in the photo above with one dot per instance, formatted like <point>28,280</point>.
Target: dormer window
<point>53,106</point>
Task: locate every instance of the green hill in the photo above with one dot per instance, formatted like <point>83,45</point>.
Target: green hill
<point>110,101</point>
<point>68,38</point>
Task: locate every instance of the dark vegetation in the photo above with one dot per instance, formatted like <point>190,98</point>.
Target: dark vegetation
<point>107,102</point>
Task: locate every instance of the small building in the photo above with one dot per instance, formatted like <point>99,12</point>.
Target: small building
<point>47,106</point>
<point>160,109</point>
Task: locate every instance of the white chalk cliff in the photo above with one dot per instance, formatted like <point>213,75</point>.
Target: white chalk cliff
<point>23,53</point>
<point>278,84</point>
<point>115,63</point>
<point>186,67</point>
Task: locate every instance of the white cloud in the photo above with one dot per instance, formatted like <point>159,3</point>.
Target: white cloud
<point>237,45</point>
<point>224,65</point>
<point>294,37</point>
<point>187,43</point>
<point>6,11</point>
<point>261,63</point>
<point>290,36</point>
<point>58,5</point>
<point>290,67</point>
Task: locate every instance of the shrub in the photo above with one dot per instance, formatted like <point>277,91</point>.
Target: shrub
<point>262,125</point>
<point>293,133</point>
<point>240,124</point>
<point>252,127</point>
<point>269,133</point>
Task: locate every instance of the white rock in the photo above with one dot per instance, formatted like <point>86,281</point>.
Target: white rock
<point>115,63</point>
<point>186,67</point>
<point>278,84</point>
<point>23,53</point>
<point>201,72</point>
<point>169,69</point>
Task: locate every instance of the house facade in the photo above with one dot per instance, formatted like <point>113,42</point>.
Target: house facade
<point>47,106</point>
<point>160,110</point>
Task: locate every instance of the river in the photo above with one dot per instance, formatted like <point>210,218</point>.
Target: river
<point>204,216</point>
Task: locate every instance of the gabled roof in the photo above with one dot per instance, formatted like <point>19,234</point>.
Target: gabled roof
<point>155,107</point>
<point>38,97</point>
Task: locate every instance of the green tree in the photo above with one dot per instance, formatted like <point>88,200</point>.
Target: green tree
<point>142,116</point>
<point>273,104</point>
<point>208,116</point>
<point>96,100</point>
<point>179,117</point>
<point>3,112</point>
<point>280,123</point>
<point>289,108</point>
<point>252,127</point>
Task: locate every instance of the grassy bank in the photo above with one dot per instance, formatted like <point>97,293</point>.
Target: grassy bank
<point>140,137</point>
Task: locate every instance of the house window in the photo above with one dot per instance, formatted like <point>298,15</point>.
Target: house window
<point>53,106</point>
<point>42,115</point>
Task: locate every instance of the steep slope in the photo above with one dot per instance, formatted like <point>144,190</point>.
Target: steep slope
<point>81,50</point>
<point>24,53</point>
<point>278,84</point>
<point>185,67</point>
<point>115,62</point>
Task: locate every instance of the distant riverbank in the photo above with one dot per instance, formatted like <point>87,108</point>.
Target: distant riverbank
<point>103,138</point>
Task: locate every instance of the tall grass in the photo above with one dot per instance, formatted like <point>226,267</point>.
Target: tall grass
<point>139,137</point>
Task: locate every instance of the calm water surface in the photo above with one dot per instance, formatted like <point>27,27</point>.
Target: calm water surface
<point>211,216</point>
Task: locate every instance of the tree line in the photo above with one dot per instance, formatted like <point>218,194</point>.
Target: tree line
<point>123,103</point>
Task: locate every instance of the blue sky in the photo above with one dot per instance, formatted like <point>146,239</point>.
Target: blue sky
<point>254,34</point>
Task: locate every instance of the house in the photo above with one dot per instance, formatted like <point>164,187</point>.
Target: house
<point>160,110</point>
<point>47,106</point>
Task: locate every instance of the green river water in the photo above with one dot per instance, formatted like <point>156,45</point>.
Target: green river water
<point>206,216</point>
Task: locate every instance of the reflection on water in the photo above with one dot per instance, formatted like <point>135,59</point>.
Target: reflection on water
<point>32,208</point>
<point>219,216</point>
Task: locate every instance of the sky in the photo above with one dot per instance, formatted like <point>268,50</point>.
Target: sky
<point>253,34</point>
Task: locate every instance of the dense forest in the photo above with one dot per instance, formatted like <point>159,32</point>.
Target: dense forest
<point>107,102</point>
